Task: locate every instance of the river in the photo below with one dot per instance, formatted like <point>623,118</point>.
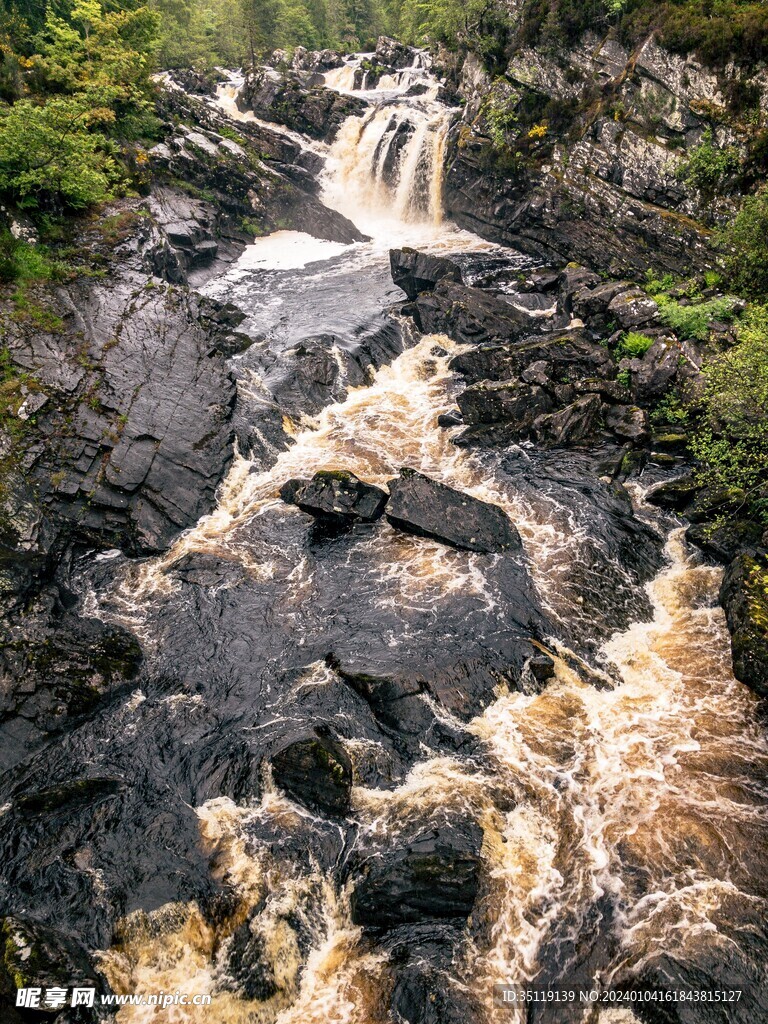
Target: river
<point>622,806</point>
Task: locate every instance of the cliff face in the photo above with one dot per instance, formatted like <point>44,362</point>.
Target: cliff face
<point>597,136</point>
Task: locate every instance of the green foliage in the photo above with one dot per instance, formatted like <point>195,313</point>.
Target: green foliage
<point>671,410</point>
<point>745,250</point>
<point>49,151</point>
<point>709,168</point>
<point>732,441</point>
<point>692,321</point>
<point>86,84</point>
<point>633,345</point>
<point>624,377</point>
<point>655,285</point>
<point>498,112</point>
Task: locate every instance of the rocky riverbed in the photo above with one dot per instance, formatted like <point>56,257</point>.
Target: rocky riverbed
<point>363,641</point>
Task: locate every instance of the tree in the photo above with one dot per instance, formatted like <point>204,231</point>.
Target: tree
<point>49,150</point>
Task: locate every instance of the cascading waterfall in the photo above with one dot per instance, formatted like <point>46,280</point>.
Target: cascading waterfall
<point>389,164</point>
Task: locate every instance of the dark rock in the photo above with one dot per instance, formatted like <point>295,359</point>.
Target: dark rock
<point>712,503</point>
<point>674,494</point>
<point>574,279</point>
<point>541,667</point>
<point>336,495</point>
<point>633,308</point>
<point>504,402</point>
<point>577,422</point>
<point>417,272</point>
<point>469,315</point>
<point>742,595</point>
<point>315,60</point>
<point>432,874</point>
<point>427,508</point>
<point>394,54</point>
<point>425,989</point>
<point>591,303</point>
<point>316,771</point>
<point>450,419</point>
<point>285,99</point>
<point>566,356</point>
<point>35,955</point>
<point>658,368</point>
<point>627,421</point>
<point>727,540</point>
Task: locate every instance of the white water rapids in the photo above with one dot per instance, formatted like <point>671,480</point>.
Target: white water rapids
<point>642,796</point>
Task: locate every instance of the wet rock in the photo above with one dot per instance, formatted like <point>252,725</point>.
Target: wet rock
<point>576,423</point>
<point>727,540</point>
<point>315,60</point>
<point>504,402</point>
<point>417,272</point>
<point>469,315</point>
<point>336,495</point>
<point>285,99</point>
<point>393,53</point>
<point>566,356</point>
<point>675,494</point>
<point>35,955</point>
<point>743,597</point>
<point>427,508</point>
<point>54,667</point>
<point>425,990</point>
<point>316,771</point>
<point>432,874</point>
<point>541,667</point>
<point>450,419</point>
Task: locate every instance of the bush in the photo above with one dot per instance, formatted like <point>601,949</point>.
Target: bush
<point>745,256</point>
<point>633,345</point>
<point>709,167</point>
<point>693,321</point>
<point>732,440</point>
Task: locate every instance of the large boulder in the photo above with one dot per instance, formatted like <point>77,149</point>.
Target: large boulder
<point>575,423</point>
<point>432,874</point>
<point>470,316</point>
<point>504,402</point>
<point>285,99</point>
<point>427,508</point>
<point>416,272</point>
<point>315,770</point>
<point>393,53</point>
<point>337,496</point>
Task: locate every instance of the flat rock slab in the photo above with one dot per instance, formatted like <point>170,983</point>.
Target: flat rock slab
<point>427,508</point>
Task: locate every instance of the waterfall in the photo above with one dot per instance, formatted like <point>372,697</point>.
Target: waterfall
<point>388,164</point>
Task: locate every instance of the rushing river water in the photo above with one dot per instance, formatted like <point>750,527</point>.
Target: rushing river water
<point>622,807</point>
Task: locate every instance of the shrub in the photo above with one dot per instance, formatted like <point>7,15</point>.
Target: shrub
<point>693,321</point>
<point>732,440</point>
<point>745,256</point>
<point>633,345</point>
<point>709,167</point>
